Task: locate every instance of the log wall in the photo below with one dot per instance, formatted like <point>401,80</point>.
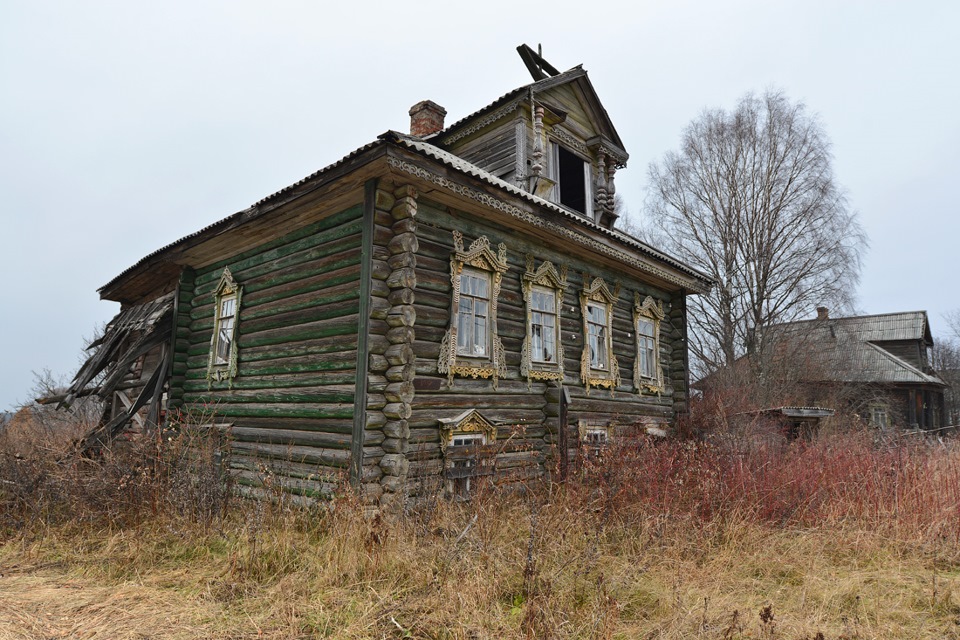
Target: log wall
<point>526,415</point>
<point>291,402</point>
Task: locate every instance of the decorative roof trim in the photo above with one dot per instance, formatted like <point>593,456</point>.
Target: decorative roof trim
<point>536,221</point>
<point>482,123</point>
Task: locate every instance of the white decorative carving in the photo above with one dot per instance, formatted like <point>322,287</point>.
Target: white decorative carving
<point>569,140</point>
<point>482,123</point>
<point>479,256</point>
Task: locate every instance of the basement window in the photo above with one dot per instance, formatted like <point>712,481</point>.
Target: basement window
<point>464,463</point>
<point>594,438</point>
<point>572,175</point>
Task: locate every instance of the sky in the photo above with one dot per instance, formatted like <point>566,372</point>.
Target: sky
<point>125,125</point>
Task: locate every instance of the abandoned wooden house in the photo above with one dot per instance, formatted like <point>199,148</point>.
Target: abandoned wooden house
<point>429,297</point>
<point>880,365</point>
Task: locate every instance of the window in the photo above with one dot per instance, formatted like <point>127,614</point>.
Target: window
<point>465,450</point>
<point>471,346</point>
<point>223,338</point>
<point>542,351</point>
<point>573,180</point>
<point>879,417</point>
<point>594,437</point>
<point>473,314</point>
<point>646,347</point>
<point>598,364</point>
<point>222,363</point>
<point>597,336</point>
<point>647,315</point>
<point>463,467</point>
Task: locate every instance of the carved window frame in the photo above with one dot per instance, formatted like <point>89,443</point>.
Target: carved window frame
<point>478,256</point>
<point>602,432</point>
<point>226,289</point>
<point>597,292</point>
<point>648,309</point>
<point>473,426</point>
<point>548,277</point>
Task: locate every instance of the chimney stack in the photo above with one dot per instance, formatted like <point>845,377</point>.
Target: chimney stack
<point>426,117</point>
<point>823,313</point>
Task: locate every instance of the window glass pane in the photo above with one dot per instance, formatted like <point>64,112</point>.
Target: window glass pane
<point>597,336</point>
<point>645,327</point>
<point>473,314</point>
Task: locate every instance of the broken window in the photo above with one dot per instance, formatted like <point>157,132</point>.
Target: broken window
<point>222,364</point>
<point>598,364</point>
<point>471,346</point>
<point>647,374</point>
<point>572,175</point>
<point>473,315</point>
<point>543,325</point>
<point>542,351</point>
<point>594,437</point>
<point>463,467</point>
<point>597,337</point>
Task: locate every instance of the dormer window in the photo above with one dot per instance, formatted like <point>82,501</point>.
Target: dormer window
<point>571,173</point>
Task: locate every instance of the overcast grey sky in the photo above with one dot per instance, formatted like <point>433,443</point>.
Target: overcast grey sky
<point>126,125</point>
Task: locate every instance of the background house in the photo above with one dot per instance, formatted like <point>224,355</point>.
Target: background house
<point>453,294</point>
<point>880,365</point>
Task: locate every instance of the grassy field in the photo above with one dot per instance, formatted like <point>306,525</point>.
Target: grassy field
<point>840,538</point>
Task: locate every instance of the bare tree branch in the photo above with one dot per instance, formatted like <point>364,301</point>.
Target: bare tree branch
<point>750,199</point>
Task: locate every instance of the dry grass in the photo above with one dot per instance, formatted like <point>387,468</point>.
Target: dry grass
<point>842,538</point>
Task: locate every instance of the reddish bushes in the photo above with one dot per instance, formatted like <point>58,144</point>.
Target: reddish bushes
<point>905,488</point>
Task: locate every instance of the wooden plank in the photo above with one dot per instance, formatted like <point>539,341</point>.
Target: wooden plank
<point>363,323</point>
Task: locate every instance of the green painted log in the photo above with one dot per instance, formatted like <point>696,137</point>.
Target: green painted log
<point>339,225</point>
<point>318,395</point>
<point>287,410</point>
<point>334,458</point>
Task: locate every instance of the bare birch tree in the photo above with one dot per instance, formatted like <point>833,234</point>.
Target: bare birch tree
<point>750,199</point>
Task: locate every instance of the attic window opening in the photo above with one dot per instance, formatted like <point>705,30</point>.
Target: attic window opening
<point>572,177</point>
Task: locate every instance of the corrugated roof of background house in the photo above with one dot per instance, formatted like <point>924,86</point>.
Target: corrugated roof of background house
<point>846,349</point>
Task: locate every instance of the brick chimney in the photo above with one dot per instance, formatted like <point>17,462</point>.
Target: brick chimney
<point>823,313</point>
<point>426,117</point>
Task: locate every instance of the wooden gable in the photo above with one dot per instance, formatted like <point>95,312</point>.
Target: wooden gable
<point>552,138</point>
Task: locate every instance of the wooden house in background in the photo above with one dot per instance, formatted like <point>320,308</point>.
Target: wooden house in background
<point>880,365</point>
<point>431,299</point>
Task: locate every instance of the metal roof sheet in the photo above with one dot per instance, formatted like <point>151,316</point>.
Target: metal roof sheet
<point>459,164</point>
<point>846,349</point>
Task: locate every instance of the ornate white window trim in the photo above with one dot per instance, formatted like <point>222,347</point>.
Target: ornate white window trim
<point>493,364</point>
<point>219,368</point>
<point>596,292</point>
<point>468,422</point>
<point>548,277</point>
<point>651,310</point>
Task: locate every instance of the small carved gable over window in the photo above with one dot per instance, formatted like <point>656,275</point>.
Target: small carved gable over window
<point>471,346</point>
<point>222,363</point>
<point>647,373</point>
<point>468,423</point>
<point>542,350</point>
<point>598,364</point>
